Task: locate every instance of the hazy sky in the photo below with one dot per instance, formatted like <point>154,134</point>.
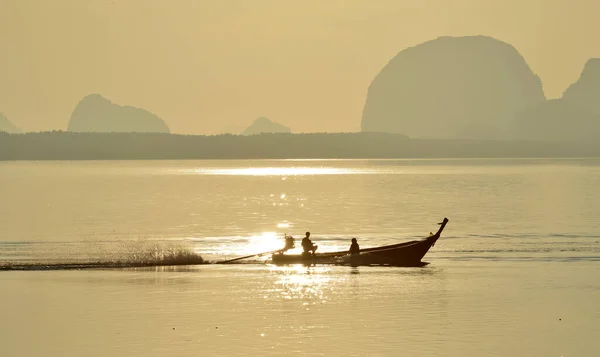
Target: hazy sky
<point>204,66</point>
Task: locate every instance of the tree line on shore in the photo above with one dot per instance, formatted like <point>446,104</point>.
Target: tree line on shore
<point>60,145</point>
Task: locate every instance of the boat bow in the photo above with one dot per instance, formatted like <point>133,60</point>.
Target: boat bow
<point>437,235</point>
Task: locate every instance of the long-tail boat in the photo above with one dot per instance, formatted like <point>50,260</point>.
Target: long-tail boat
<point>408,254</point>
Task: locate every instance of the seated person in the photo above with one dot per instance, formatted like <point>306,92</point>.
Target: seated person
<point>354,248</point>
<point>307,244</point>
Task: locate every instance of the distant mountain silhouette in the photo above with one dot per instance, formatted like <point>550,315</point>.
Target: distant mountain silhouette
<point>95,113</point>
<point>265,125</point>
<point>585,93</point>
<point>7,126</point>
<point>575,116</point>
<point>469,87</point>
<point>556,119</point>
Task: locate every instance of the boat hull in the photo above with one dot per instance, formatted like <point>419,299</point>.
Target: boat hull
<point>408,254</point>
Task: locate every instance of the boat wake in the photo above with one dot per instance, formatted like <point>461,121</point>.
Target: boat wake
<point>96,255</point>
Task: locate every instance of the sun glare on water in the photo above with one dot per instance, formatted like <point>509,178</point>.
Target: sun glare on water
<point>265,242</point>
<point>309,284</point>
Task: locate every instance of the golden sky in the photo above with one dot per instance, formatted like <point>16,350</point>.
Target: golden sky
<point>205,66</point>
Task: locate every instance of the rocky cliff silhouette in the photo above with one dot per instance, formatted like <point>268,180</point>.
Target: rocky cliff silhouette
<point>585,92</point>
<point>556,119</point>
<point>265,125</point>
<point>575,116</point>
<point>95,113</point>
<point>470,87</point>
<point>7,126</point>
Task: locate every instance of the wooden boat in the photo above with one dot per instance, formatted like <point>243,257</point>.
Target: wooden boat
<point>408,254</point>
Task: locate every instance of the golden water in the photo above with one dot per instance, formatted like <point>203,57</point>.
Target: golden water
<point>515,273</point>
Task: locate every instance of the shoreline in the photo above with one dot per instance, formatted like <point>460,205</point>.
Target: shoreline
<point>68,146</point>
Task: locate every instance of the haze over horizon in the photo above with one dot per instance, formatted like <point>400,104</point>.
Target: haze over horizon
<point>203,66</point>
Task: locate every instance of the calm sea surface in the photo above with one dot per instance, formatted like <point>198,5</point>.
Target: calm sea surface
<point>516,272</point>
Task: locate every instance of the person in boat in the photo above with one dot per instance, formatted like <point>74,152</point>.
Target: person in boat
<point>354,248</point>
<point>307,244</point>
<point>289,243</point>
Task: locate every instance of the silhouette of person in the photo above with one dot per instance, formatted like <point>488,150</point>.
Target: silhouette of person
<point>308,245</point>
<point>289,243</point>
<point>354,248</point>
